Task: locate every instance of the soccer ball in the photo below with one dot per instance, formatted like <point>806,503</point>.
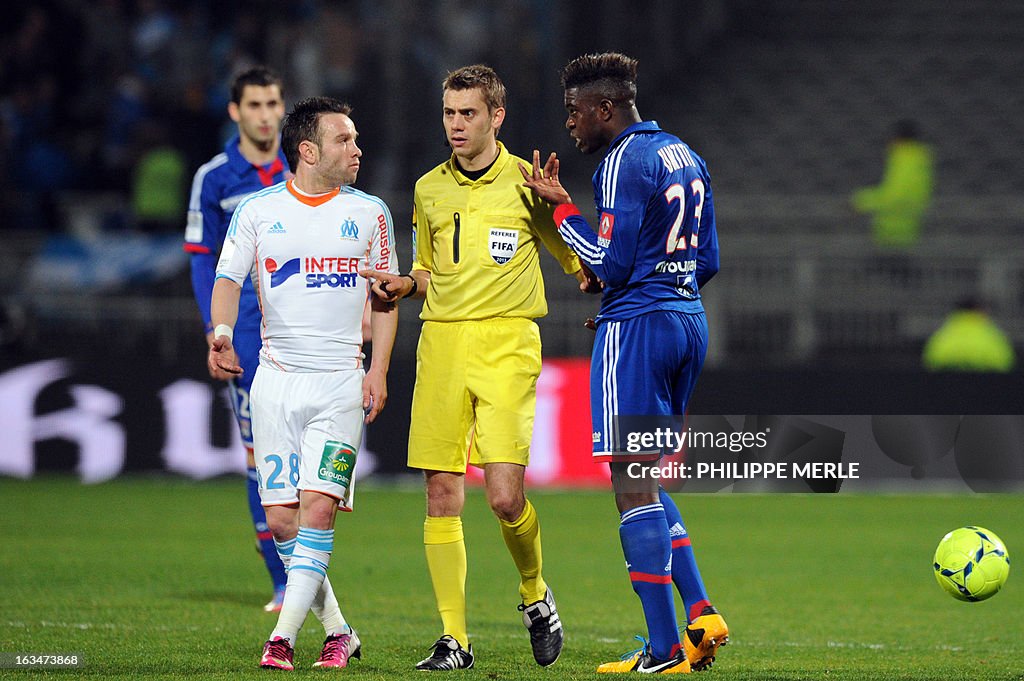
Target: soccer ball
<point>971,563</point>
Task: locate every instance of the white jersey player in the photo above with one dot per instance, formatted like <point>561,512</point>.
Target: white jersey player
<point>304,254</point>
<point>303,243</point>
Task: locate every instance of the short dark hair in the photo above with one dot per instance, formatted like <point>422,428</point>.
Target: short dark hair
<point>611,75</point>
<point>478,76</point>
<point>260,76</point>
<point>303,123</point>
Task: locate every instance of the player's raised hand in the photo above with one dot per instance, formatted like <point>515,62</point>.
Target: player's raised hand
<point>544,181</point>
<point>222,360</point>
<point>589,283</point>
<point>386,286</point>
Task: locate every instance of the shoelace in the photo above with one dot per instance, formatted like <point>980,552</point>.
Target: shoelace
<point>333,647</point>
<point>439,644</point>
<point>641,649</point>
<point>279,649</point>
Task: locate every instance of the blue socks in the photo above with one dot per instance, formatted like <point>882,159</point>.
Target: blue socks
<point>684,566</point>
<point>259,520</point>
<point>648,551</point>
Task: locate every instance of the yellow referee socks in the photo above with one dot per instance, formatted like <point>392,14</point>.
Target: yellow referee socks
<point>446,560</point>
<point>522,537</point>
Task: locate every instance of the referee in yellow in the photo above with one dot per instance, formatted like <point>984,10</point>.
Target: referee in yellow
<point>477,233</point>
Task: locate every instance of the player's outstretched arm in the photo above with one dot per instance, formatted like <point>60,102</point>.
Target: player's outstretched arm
<point>544,181</point>
<point>545,184</point>
<point>222,361</point>
<point>391,287</point>
<point>384,326</point>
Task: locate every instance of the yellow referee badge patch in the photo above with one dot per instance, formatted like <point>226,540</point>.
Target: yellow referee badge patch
<point>337,463</point>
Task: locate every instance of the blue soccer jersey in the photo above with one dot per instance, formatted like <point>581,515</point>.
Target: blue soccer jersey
<point>655,247</point>
<point>217,189</point>
<point>656,243</point>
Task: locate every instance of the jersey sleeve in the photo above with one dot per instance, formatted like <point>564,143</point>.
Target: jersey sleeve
<point>707,240</point>
<point>422,246</point>
<point>382,256</point>
<point>204,215</point>
<point>238,254</point>
<point>611,251</point>
<point>541,219</point>
<point>202,222</point>
<point>204,273</point>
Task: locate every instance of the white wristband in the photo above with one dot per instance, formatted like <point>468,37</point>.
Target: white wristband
<point>224,330</point>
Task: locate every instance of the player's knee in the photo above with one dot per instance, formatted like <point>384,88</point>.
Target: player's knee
<point>319,519</point>
<point>317,511</point>
<point>283,527</point>
<point>507,505</point>
<point>442,505</point>
<point>445,495</point>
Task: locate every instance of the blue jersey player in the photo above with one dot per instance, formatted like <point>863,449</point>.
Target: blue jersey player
<point>251,160</point>
<point>654,248</point>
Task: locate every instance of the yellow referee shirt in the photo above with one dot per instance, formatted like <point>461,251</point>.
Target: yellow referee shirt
<point>479,241</point>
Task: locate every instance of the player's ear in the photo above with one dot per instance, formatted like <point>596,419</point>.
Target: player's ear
<point>605,109</point>
<point>233,111</point>
<point>309,152</point>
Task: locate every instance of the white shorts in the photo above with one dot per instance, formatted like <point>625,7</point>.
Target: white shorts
<point>307,429</point>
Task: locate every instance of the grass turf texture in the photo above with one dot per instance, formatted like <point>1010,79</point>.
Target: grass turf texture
<point>157,578</point>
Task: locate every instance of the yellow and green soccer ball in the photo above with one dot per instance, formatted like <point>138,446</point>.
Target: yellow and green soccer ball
<point>971,563</point>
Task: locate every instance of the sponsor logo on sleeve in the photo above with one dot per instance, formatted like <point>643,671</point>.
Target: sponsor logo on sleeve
<point>604,230</point>
<point>384,259</point>
<point>226,252</point>
<point>194,227</point>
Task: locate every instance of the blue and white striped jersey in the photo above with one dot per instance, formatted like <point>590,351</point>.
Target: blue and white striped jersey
<point>656,243</point>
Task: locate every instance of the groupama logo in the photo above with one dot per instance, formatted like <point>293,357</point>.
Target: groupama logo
<point>337,462</point>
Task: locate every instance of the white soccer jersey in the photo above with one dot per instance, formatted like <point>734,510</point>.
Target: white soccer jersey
<point>304,254</point>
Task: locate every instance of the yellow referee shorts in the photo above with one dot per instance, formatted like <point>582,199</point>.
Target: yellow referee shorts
<point>475,395</point>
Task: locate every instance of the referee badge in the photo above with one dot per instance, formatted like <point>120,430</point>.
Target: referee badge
<point>503,244</point>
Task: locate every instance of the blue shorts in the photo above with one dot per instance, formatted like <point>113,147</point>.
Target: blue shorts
<point>247,344</point>
<point>644,368</point>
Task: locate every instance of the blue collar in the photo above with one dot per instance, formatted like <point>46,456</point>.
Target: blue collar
<point>238,163</point>
<point>642,126</point>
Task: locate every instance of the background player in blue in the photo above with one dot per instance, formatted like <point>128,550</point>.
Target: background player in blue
<point>655,246</point>
<point>251,160</point>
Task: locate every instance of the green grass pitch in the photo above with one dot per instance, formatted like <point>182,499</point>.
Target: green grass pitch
<point>158,578</point>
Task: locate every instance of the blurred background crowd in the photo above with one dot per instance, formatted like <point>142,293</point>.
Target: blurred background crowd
<point>107,108</point>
